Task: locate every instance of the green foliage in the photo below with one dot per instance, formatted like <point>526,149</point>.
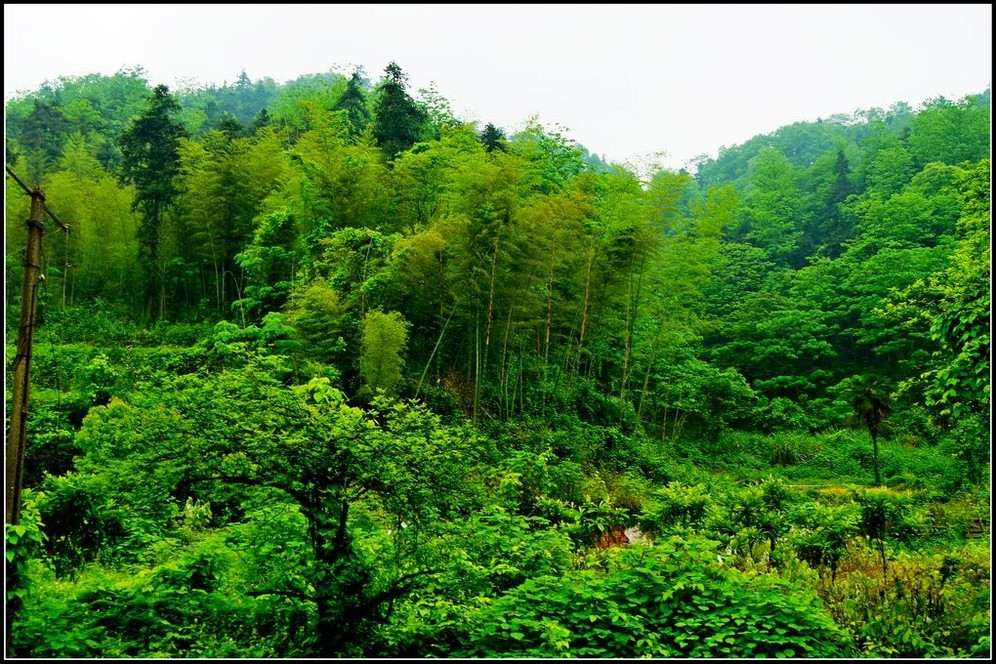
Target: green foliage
<point>673,599</point>
<point>633,347</point>
<point>398,119</point>
<point>950,132</point>
<point>354,102</point>
<point>93,322</point>
<point>790,450</point>
<point>550,153</point>
<point>51,449</point>
<point>821,533</point>
<point>22,545</point>
<point>150,161</point>
<point>959,387</point>
<point>753,516</point>
<point>482,557</point>
<point>239,442</point>
<point>185,603</point>
<point>700,398</point>
<point>384,338</point>
<point>885,514</point>
<point>317,316</point>
<point>676,507</point>
<point>493,138</point>
<point>931,605</point>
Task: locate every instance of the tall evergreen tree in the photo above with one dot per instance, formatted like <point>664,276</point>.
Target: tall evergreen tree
<point>493,138</point>
<point>835,225</point>
<point>261,120</point>
<point>150,161</point>
<point>398,118</point>
<point>354,102</point>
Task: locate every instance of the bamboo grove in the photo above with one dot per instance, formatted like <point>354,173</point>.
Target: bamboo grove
<point>260,272</point>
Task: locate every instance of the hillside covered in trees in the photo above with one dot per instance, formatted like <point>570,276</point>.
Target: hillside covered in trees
<point>323,370</point>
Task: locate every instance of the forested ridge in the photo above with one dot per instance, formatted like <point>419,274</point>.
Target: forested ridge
<point>323,370</point>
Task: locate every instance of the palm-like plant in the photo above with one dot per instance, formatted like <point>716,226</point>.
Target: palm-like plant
<point>870,410</point>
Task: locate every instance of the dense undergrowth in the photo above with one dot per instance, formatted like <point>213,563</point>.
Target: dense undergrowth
<point>204,499</point>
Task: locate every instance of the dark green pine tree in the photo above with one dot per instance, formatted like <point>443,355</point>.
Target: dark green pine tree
<point>398,120</point>
<point>836,226</point>
<point>493,138</point>
<point>150,160</point>
<point>262,119</point>
<point>230,125</point>
<point>354,102</point>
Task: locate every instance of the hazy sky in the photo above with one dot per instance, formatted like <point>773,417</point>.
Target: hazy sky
<point>624,80</point>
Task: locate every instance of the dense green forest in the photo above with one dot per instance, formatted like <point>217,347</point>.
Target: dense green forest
<point>323,370</point>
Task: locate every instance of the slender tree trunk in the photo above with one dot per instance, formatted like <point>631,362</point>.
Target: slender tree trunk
<point>646,380</point>
<point>874,435</point>
<point>439,340</point>
<point>363,291</point>
<point>491,299</point>
<point>238,295</point>
<point>214,261</point>
<point>587,295</point>
<point>161,272</point>
<point>667,398</point>
<point>586,304</point>
<point>549,307</point>
<point>442,294</point>
<point>632,310</point>
<point>518,381</point>
<point>627,337</point>
<point>477,363</point>
<point>503,375</point>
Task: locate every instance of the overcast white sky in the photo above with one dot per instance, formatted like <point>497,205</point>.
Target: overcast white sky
<point>624,80</point>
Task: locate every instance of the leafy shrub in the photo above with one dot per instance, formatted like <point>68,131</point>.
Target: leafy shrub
<point>820,533</point>
<point>913,426</point>
<point>789,450</point>
<point>175,334</point>
<point>920,468</point>
<point>595,520</point>
<point>930,605</point>
<point>746,517</point>
<point>52,448</point>
<point>779,414</point>
<point>479,558</point>
<point>672,599</point>
<point>887,514</point>
<point>54,366</point>
<point>95,323</point>
<point>76,527</point>
<point>98,379</point>
<point>190,604</point>
<point>676,506</point>
<point>23,545</point>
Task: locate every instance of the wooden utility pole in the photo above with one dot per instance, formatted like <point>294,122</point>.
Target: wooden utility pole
<point>22,361</point>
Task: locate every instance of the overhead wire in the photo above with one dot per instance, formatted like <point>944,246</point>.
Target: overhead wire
<point>29,192</point>
<point>21,350</point>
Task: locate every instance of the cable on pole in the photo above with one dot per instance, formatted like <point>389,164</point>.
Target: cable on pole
<point>29,192</point>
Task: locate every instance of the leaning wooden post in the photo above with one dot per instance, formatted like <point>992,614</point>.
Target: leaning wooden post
<point>22,361</point>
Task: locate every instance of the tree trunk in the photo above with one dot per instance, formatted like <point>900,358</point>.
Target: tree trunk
<point>491,300</point>
<point>874,435</point>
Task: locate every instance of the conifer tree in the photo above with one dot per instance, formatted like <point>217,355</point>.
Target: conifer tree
<point>398,118</point>
<point>150,160</point>
<point>354,102</point>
